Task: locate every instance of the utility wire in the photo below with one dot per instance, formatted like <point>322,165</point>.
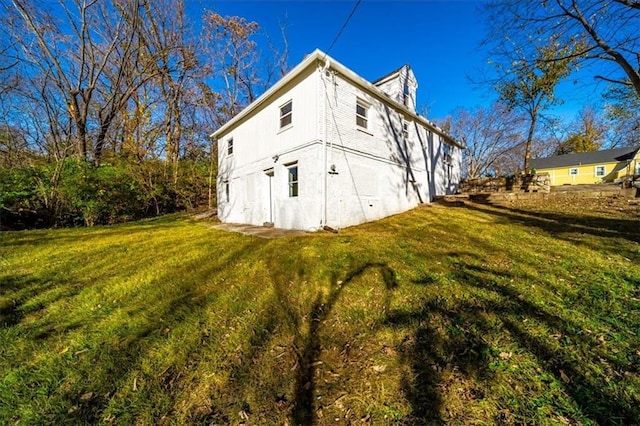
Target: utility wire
<point>355,6</point>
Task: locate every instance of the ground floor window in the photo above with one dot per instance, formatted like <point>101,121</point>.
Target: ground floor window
<point>292,172</point>
<point>573,171</point>
<point>226,191</point>
<point>600,171</point>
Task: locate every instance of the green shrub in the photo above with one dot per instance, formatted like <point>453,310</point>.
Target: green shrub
<point>76,193</point>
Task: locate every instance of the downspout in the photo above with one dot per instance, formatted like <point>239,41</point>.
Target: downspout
<point>323,219</point>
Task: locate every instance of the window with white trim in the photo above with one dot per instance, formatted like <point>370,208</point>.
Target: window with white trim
<point>600,171</point>
<point>573,171</point>
<point>226,191</point>
<point>292,173</point>
<point>362,113</point>
<point>230,146</point>
<point>286,114</point>
<point>446,151</point>
<point>405,129</point>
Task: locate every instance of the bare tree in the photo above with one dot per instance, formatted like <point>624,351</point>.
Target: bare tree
<point>490,135</point>
<point>603,32</point>
<point>127,83</point>
<point>234,59</point>
<point>178,68</point>
<point>91,54</point>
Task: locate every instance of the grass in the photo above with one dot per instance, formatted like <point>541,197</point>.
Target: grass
<point>468,315</point>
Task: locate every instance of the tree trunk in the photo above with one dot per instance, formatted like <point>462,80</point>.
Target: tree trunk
<point>213,157</point>
<point>527,147</point>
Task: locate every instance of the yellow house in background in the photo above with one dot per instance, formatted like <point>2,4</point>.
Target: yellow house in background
<point>608,165</point>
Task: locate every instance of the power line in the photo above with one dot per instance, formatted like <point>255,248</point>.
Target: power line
<point>355,6</point>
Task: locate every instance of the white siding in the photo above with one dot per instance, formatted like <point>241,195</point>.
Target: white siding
<point>378,172</point>
<point>260,145</point>
<point>369,173</point>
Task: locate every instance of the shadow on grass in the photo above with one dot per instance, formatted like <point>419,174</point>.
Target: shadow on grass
<point>117,339</point>
<point>289,313</point>
<point>560,224</point>
<point>98,233</point>
<point>451,337</point>
<point>17,293</point>
<point>436,356</point>
<point>308,347</point>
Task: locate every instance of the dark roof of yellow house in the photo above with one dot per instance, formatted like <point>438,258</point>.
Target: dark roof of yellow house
<point>581,158</point>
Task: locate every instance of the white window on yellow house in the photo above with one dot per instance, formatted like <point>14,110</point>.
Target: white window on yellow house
<point>600,171</point>
<point>573,171</point>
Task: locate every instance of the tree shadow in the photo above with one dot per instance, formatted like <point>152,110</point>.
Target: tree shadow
<point>558,224</point>
<point>109,354</point>
<point>306,322</point>
<point>446,342</point>
<point>401,154</point>
<point>586,387</point>
<point>308,347</point>
<point>300,320</point>
<point>19,290</point>
<point>449,337</point>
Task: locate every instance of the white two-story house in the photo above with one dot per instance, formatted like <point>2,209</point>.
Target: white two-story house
<point>325,147</point>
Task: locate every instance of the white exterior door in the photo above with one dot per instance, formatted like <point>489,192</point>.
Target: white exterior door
<point>268,196</point>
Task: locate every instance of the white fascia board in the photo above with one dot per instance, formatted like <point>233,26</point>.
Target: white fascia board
<point>318,55</point>
<point>310,59</point>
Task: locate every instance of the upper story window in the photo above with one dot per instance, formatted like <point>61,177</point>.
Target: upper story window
<point>292,172</point>
<point>446,151</point>
<point>230,146</point>
<point>600,171</point>
<point>286,112</point>
<point>405,129</point>
<point>573,171</point>
<point>362,114</point>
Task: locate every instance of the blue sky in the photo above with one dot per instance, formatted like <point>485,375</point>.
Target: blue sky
<point>439,39</point>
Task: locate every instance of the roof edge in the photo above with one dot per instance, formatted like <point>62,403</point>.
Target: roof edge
<point>318,55</point>
<point>389,75</point>
<point>307,61</point>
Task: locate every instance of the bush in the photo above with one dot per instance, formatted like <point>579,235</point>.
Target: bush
<point>74,192</point>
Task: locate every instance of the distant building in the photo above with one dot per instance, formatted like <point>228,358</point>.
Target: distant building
<point>323,146</point>
<point>590,167</point>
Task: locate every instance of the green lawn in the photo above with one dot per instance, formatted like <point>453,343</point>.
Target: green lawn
<point>467,315</point>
